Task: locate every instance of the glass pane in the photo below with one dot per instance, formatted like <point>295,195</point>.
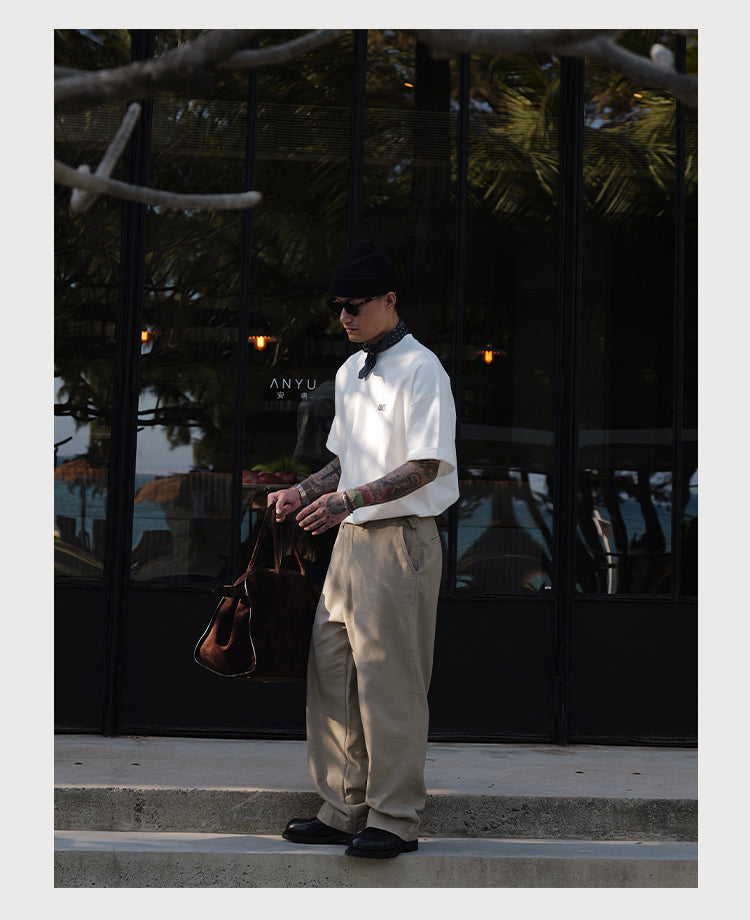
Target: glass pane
<point>689,580</point>
<point>507,436</point>
<point>299,237</point>
<point>626,335</point>
<point>409,183</point>
<point>186,413</point>
<point>87,258</point>
<point>409,186</point>
<point>187,410</point>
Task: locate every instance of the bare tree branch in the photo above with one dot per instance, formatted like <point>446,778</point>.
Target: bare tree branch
<point>599,46</point>
<point>81,200</point>
<point>196,61</point>
<point>277,54</point>
<point>611,55</point>
<point>447,42</point>
<point>193,66</point>
<point>189,65</point>
<point>177,69</point>
<point>66,175</point>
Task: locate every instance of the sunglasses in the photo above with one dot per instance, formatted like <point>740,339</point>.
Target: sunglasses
<point>351,308</point>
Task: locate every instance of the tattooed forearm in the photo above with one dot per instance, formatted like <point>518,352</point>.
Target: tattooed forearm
<point>325,480</point>
<point>326,510</point>
<point>402,481</point>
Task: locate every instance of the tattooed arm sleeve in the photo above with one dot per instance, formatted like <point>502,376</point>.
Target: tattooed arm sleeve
<point>327,510</point>
<point>402,481</point>
<point>325,480</point>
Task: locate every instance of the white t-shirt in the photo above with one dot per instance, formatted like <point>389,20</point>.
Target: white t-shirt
<point>403,410</point>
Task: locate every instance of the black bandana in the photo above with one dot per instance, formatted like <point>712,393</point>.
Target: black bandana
<point>395,335</point>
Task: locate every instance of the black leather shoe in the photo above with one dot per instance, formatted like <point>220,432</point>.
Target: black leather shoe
<point>374,843</point>
<point>311,830</point>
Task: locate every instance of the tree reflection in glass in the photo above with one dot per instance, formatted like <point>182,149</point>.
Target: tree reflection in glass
<point>627,334</point>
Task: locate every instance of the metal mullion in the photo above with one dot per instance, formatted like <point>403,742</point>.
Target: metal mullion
<point>121,482</point>
<point>462,184</point>
<point>243,327</point>
<point>679,332</point>
<point>565,476</point>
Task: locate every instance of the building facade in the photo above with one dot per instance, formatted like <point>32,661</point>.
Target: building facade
<point>543,214</point>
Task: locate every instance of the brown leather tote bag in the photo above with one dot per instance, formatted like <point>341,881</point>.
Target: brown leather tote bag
<point>262,626</point>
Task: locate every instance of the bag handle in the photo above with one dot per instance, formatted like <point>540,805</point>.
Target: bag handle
<point>261,531</point>
<point>277,544</point>
<point>238,588</point>
<point>278,549</point>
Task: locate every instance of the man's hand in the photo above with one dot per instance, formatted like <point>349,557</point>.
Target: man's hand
<point>286,501</point>
<point>325,512</point>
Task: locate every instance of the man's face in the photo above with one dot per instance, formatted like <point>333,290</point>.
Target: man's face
<point>373,320</point>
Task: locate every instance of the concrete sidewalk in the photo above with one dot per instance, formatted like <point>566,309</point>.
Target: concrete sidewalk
<point>469,769</point>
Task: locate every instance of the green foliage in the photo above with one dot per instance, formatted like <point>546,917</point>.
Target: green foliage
<point>287,464</point>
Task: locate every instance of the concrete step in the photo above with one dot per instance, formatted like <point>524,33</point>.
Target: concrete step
<point>109,859</point>
<point>230,786</point>
<point>250,811</point>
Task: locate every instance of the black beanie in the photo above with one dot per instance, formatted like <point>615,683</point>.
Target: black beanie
<point>365,272</point>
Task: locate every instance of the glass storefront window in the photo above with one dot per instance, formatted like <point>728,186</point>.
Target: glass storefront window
<point>194,296</point>
<point>87,259</point>
<point>624,508</point>
<point>206,402</point>
<point>298,238</point>
<point>192,307</point>
<point>626,335</point>
<point>409,182</point>
<point>688,586</point>
<point>181,518</point>
<point>409,185</point>
<point>507,401</point>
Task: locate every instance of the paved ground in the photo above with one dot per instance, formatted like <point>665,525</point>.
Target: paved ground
<point>503,769</point>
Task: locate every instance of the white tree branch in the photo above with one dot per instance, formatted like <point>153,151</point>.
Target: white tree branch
<point>188,65</point>
<point>446,42</point>
<point>277,54</point>
<point>193,66</point>
<point>81,200</point>
<point>597,45</point>
<point>193,63</point>
<point>606,52</point>
<point>66,175</point>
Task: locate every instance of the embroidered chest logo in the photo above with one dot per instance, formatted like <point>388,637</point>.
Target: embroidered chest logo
<point>381,407</point>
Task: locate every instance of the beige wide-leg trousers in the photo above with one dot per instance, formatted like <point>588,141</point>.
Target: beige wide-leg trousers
<point>369,672</point>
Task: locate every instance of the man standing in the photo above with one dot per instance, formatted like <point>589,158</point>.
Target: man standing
<point>394,470</point>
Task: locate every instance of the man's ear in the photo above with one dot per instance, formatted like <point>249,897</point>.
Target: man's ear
<point>390,300</point>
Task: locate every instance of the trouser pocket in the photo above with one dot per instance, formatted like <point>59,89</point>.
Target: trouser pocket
<point>416,536</point>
